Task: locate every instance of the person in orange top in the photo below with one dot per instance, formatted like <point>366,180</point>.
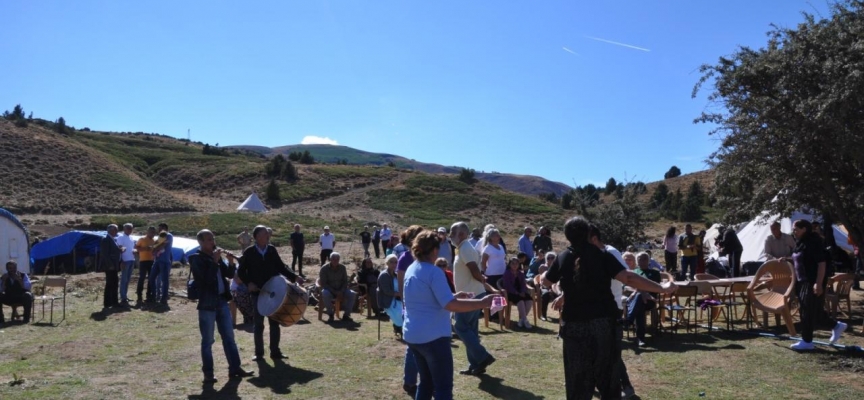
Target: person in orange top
<point>144,248</point>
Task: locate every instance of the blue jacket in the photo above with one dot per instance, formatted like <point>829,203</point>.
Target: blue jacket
<point>204,271</point>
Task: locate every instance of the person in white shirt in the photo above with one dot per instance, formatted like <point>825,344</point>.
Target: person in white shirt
<point>444,250</point>
<point>386,234</point>
<point>778,244</point>
<point>670,247</point>
<point>127,261</point>
<point>328,243</point>
<point>493,260</point>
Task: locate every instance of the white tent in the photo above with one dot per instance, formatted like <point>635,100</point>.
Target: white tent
<point>14,242</point>
<point>253,204</point>
<point>753,234</point>
<point>710,235</point>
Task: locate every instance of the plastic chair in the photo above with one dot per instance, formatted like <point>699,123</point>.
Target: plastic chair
<point>677,311</point>
<point>841,285</point>
<point>737,296</point>
<point>666,277</point>
<point>705,277</point>
<point>776,298</point>
<point>49,283</point>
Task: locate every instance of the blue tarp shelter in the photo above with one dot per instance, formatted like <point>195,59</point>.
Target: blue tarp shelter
<point>68,252</point>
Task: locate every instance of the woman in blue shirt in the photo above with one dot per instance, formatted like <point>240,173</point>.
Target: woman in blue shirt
<point>428,304</point>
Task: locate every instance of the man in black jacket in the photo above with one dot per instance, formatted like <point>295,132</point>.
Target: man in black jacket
<point>259,263</point>
<point>211,275</point>
<point>15,288</point>
<point>109,255</point>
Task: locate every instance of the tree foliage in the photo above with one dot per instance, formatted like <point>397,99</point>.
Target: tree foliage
<point>673,172</point>
<point>791,124</point>
<point>622,221</point>
<point>60,126</point>
<point>279,167</point>
<point>272,191</point>
<point>17,116</point>
<point>660,196</point>
<point>611,185</point>
<point>467,175</point>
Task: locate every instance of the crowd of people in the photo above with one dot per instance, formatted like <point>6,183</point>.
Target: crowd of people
<point>432,276</point>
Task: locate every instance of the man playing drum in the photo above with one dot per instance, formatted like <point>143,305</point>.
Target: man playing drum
<point>259,263</point>
<point>211,275</point>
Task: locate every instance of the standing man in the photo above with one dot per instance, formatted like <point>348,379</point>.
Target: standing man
<point>778,244</point>
<point>689,244</point>
<point>110,254</point>
<point>525,245</point>
<point>444,249</point>
<point>15,289</point>
<point>144,247</point>
<point>211,274</point>
<point>258,264</point>
<point>162,265</point>
<point>244,239</point>
<point>543,241</point>
<point>731,247</point>
<point>365,240</point>
<point>386,234</point>
<point>127,262</point>
<point>298,245</point>
<point>334,285</point>
<point>328,243</point>
<point>376,240</point>
<point>467,278</point>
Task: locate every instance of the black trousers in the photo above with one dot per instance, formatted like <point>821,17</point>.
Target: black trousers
<point>377,245</point>
<point>591,354</point>
<point>25,300</point>
<point>671,261</point>
<point>811,309</point>
<point>112,289</point>
<point>297,257</point>
<point>143,271</point>
<point>325,255</point>
<point>620,368</point>
<point>735,263</point>
<point>258,331</point>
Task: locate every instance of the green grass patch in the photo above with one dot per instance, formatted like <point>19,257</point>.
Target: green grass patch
<point>522,204</point>
<point>116,181</point>
<point>419,207</point>
<point>437,183</point>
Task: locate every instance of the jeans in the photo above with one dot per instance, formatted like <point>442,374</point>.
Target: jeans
<point>467,327</point>
<point>688,261</point>
<point>435,364</point>
<point>221,318</point>
<point>258,331</point>
<point>143,272</point>
<point>126,268</point>
<point>348,297</point>
<point>636,309</point>
<point>410,368</point>
<point>161,271</point>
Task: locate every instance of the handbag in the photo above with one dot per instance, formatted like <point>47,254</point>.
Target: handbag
<point>192,290</point>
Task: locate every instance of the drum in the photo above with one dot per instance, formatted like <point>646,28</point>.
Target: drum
<point>282,301</point>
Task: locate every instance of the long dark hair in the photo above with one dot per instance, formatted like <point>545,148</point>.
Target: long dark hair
<point>670,232</point>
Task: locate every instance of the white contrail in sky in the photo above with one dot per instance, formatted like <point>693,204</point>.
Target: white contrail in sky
<point>569,51</point>
<point>629,46</point>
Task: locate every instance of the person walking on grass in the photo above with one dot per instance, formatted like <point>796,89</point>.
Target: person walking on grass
<point>365,240</point>
<point>386,234</point>
<point>298,246</point>
<point>211,274</point>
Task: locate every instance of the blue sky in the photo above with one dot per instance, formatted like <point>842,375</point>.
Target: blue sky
<point>514,86</point>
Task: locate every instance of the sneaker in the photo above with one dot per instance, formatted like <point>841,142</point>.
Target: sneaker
<point>837,332</point>
<point>526,324</point>
<point>628,392</point>
<point>802,346</point>
<point>346,317</point>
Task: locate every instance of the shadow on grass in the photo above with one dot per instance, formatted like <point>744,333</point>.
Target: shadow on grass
<point>280,376</point>
<point>497,389</point>
<point>346,325</point>
<point>685,342</point>
<point>208,391</point>
<point>104,313</point>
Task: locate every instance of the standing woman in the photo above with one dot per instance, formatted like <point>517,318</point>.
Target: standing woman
<point>494,258</point>
<point>670,245</point>
<point>428,304</point>
<point>809,261</point>
<point>589,315</point>
<point>389,298</point>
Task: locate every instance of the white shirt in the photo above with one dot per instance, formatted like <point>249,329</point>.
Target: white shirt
<point>327,241</point>
<point>386,233</point>
<point>617,286</point>
<point>497,262</point>
<point>462,278</point>
<point>129,244</point>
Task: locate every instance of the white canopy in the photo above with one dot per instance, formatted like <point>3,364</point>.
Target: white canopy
<point>753,234</point>
<point>253,204</point>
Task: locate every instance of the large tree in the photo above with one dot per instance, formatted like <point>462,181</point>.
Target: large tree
<point>791,120</point>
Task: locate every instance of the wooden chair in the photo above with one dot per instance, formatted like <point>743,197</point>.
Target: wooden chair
<point>321,302</point>
<point>682,312</point>
<point>841,285</point>
<point>535,297</point>
<point>55,282</point>
<point>504,320</point>
<point>776,298</point>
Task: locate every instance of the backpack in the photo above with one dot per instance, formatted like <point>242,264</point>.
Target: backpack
<point>715,268</point>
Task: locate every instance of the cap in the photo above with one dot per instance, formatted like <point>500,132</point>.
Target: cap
<point>442,230</point>
<point>326,228</point>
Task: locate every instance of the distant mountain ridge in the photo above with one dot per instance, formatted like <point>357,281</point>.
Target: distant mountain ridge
<point>525,184</point>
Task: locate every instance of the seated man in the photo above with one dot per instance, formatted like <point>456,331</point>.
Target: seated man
<point>778,244</point>
<point>640,302</point>
<point>15,289</point>
<point>333,279</point>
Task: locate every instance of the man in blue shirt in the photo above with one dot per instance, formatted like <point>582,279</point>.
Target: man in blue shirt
<point>525,245</point>
<point>162,265</point>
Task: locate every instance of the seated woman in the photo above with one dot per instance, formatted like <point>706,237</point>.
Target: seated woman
<point>368,275</point>
<point>546,293</point>
<point>242,299</point>
<point>388,296</point>
<point>517,291</point>
<point>442,263</point>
